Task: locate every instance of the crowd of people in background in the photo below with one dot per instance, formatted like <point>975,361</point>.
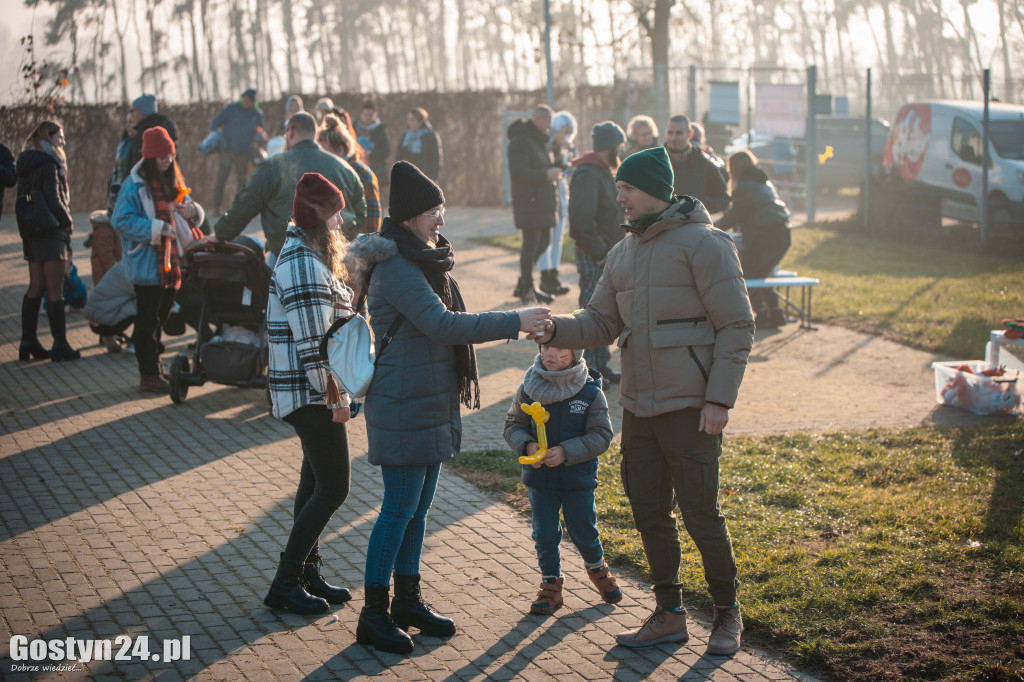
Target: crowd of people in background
<point>319,188</point>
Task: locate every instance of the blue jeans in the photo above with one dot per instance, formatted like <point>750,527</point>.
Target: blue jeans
<point>396,541</point>
<point>580,521</point>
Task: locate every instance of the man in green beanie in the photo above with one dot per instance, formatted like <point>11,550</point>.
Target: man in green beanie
<point>672,295</point>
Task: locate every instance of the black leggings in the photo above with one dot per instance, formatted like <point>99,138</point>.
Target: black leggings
<point>534,244</point>
<point>323,478</point>
<point>153,305</point>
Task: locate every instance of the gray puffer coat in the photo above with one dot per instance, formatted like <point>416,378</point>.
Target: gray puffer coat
<point>412,406</point>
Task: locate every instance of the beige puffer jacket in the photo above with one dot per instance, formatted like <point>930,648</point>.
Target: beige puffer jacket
<point>675,300</point>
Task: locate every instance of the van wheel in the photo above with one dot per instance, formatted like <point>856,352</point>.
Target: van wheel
<point>1000,218</point>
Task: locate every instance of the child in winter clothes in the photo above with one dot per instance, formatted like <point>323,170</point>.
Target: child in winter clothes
<point>578,431</point>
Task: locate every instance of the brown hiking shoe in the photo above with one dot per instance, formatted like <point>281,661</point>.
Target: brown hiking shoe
<point>153,383</point>
<point>549,598</point>
<point>725,631</point>
<point>661,626</point>
<point>605,583</point>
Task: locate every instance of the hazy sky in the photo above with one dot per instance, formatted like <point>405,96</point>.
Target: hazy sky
<point>19,21</point>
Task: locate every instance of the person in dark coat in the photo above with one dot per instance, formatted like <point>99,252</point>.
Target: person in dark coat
<point>421,145</point>
<point>534,177</point>
<point>8,173</point>
<point>42,166</point>
<point>270,191</point>
<point>412,407</point>
<point>696,174</point>
<point>595,219</point>
<point>242,124</point>
<point>762,218</point>
<point>374,138</point>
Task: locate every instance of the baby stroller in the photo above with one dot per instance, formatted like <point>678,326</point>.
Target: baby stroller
<point>234,281</point>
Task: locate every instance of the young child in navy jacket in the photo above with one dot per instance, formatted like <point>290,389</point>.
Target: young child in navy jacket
<point>578,431</point>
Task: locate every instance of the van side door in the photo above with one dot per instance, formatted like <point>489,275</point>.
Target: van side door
<point>961,198</point>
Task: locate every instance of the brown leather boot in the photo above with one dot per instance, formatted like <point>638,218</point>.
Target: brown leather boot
<point>605,583</point>
<point>661,626</point>
<point>549,598</point>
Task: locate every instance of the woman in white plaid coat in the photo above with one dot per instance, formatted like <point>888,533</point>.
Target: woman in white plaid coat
<point>305,290</point>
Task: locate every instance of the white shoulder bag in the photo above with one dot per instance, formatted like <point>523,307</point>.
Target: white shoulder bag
<point>347,347</point>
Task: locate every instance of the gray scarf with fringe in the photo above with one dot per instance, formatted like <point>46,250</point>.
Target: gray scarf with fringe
<point>548,387</point>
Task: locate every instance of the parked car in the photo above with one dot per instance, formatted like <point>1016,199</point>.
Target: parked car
<point>936,148</point>
<point>785,159</point>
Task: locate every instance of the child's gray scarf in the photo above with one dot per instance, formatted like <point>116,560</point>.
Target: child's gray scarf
<point>551,387</point>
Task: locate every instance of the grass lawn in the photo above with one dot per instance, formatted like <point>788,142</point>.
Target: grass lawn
<point>942,293</point>
<point>882,555</point>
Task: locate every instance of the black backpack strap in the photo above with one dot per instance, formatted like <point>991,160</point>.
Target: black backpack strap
<point>389,335</point>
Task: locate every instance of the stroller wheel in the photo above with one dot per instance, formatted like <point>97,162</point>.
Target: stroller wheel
<point>179,389</point>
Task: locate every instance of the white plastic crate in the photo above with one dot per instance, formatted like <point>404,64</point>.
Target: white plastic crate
<point>974,393</point>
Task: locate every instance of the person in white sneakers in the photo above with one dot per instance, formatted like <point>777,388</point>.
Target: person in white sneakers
<point>672,294</point>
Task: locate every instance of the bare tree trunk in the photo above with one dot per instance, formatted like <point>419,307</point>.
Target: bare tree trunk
<point>207,17</point>
<point>197,76</point>
<point>134,15</point>
<point>289,35</point>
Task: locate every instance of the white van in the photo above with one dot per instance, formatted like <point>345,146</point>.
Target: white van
<point>938,144</point>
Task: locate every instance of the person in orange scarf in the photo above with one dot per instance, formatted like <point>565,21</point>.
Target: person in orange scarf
<point>156,219</point>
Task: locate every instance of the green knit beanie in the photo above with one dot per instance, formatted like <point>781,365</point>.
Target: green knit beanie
<point>649,171</point>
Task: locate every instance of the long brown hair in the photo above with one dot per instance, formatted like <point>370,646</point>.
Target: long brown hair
<point>739,162</point>
<point>170,180</point>
<point>42,133</point>
<point>331,246</point>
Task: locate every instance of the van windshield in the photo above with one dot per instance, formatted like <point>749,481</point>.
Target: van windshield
<point>1008,138</point>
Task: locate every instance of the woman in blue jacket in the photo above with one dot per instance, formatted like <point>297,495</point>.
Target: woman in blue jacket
<point>413,421</point>
<point>156,220</point>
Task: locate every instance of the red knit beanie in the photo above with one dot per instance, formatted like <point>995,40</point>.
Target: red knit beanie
<point>316,200</point>
<point>156,143</point>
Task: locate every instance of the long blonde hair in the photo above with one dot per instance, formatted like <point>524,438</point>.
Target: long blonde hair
<point>39,139</point>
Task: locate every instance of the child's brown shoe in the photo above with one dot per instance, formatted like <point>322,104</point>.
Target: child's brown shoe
<point>605,583</point>
<point>549,598</point>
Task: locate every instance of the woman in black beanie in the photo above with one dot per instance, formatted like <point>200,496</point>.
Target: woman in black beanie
<point>413,421</point>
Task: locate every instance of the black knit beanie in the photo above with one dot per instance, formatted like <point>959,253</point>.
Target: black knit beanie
<point>412,192</point>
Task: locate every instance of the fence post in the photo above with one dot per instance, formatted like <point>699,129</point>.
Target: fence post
<point>866,194</point>
<point>750,110</point>
<point>691,93</point>
<point>811,136</point>
<point>986,92</point>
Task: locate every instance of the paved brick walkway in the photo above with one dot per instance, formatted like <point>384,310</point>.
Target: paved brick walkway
<point>122,514</point>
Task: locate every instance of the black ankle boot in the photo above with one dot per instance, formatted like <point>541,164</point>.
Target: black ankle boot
<point>408,609</point>
<point>62,350</point>
<point>376,627</point>
<point>549,283</point>
<point>30,346</point>
<point>287,592</point>
<point>525,292</point>
<point>317,586</point>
